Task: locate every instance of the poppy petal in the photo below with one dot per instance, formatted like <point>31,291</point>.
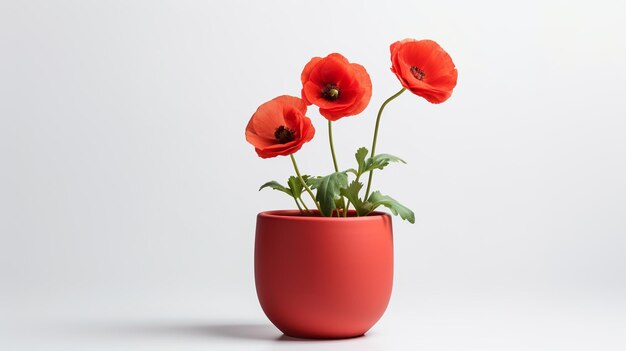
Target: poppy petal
<point>350,79</point>
<point>283,111</point>
<point>293,101</point>
<point>438,75</point>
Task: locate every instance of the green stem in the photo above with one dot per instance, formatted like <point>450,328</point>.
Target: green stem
<point>373,152</point>
<point>332,152</point>
<point>306,187</point>
<point>303,204</point>
<point>332,147</point>
<point>298,204</point>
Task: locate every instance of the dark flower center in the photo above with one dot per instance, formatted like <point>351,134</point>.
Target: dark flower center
<point>330,92</point>
<point>418,73</point>
<point>284,134</point>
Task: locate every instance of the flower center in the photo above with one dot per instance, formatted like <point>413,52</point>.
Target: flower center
<point>284,134</point>
<point>418,73</point>
<point>330,92</point>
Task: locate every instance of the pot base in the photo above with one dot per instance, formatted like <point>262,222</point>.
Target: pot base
<point>321,277</point>
<point>307,336</point>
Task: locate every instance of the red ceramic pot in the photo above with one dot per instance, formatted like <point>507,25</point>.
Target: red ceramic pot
<point>321,277</point>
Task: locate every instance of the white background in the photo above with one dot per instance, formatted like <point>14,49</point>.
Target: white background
<point>128,194</point>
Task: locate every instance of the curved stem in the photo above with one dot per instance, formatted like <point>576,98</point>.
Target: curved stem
<point>332,152</point>
<point>373,152</point>
<point>306,187</point>
<point>332,147</point>
<point>298,204</point>
<point>303,204</point>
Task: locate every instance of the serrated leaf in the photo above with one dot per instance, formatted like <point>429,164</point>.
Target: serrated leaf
<point>276,186</point>
<point>328,189</point>
<point>296,185</point>
<point>353,171</point>
<point>360,155</point>
<point>352,194</point>
<point>313,182</point>
<point>380,161</point>
<point>378,199</point>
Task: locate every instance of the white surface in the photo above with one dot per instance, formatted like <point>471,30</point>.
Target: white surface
<point>128,194</point>
<point>472,321</point>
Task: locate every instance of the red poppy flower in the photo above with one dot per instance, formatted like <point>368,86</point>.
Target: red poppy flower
<point>424,68</point>
<point>339,88</point>
<point>279,127</point>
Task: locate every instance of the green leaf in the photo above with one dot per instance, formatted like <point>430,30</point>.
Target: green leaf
<point>276,186</point>
<point>360,155</point>
<point>380,161</point>
<point>314,182</point>
<point>296,185</point>
<point>352,194</point>
<point>328,189</point>
<point>340,202</point>
<point>353,171</point>
<point>377,199</point>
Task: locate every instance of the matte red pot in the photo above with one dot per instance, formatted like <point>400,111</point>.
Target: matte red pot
<point>320,277</point>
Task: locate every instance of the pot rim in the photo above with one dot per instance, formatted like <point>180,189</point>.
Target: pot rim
<point>297,216</point>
